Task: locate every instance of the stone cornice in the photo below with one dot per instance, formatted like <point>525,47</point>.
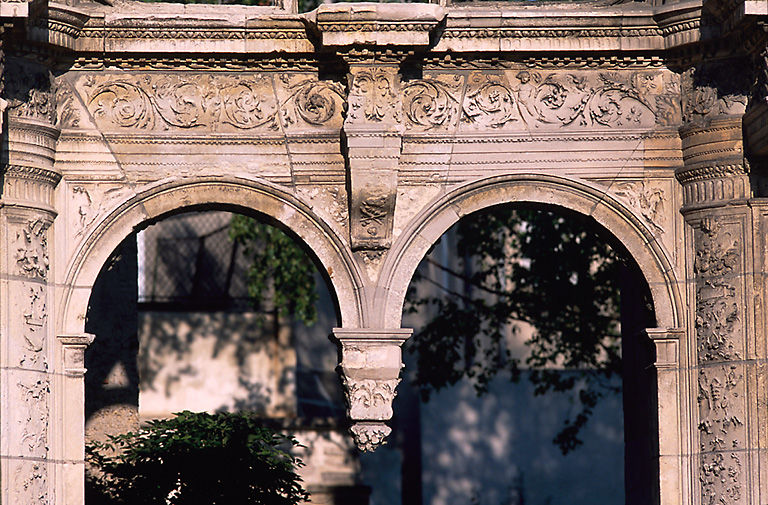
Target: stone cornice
<point>214,29</point>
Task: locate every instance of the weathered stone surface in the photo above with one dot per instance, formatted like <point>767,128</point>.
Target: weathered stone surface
<point>368,130</point>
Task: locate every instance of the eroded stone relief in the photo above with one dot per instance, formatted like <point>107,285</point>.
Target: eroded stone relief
<point>32,249</point>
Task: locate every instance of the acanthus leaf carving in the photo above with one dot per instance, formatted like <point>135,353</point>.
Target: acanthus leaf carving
<point>370,399</point>
<point>713,90</point>
<point>30,91</point>
<point>489,102</point>
<point>369,436</point>
<point>31,253</point>
<point>67,111</point>
<point>527,99</point>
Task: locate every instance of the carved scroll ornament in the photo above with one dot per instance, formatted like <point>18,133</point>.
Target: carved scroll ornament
<point>166,102</point>
<point>529,100</point>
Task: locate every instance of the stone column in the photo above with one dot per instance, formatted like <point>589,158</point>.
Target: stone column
<point>728,387</point>
<point>28,447</point>
<point>371,360</point>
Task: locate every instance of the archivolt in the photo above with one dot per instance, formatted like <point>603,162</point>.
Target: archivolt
<point>631,231</point>
<point>247,196</point>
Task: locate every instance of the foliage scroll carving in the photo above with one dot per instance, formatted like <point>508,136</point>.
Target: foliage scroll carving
<point>529,100</point>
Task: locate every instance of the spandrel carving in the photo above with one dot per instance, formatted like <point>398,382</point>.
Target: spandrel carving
<point>647,199</point>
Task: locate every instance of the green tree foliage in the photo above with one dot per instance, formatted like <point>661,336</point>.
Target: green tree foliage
<point>539,268</point>
<point>196,459</point>
<point>279,269</point>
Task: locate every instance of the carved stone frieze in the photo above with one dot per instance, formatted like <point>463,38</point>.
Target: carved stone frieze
<point>716,267</point>
<point>162,102</point>
<point>433,103</point>
<point>531,100</point>
<point>31,249</point>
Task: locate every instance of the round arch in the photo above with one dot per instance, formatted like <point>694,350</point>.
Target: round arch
<point>590,200</point>
<point>244,195</point>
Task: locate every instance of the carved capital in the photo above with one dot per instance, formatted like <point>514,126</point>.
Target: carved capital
<point>713,90</point>
<point>667,345</point>
<point>74,353</point>
<point>370,369</point>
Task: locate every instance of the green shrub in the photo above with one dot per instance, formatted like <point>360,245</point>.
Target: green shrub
<point>196,459</point>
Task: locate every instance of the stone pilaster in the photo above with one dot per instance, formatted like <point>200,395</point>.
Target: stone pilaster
<point>371,360</point>
<point>729,351</point>
<point>27,350</point>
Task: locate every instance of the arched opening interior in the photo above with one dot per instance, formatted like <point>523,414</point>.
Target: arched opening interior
<point>207,310</point>
<point>542,310</point>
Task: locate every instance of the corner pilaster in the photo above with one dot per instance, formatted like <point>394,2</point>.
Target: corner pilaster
<point>28,368</point>
<point>728,358</point>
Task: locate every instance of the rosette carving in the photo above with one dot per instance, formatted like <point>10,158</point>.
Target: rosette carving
<point>311,101</point>
<point>184,102</point>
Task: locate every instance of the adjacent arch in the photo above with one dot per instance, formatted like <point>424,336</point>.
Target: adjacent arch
<point>539,188</point>
<point>243,195</point>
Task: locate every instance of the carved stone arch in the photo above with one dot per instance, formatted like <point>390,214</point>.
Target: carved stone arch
<point>245,195</point>
<point>539,188</point>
